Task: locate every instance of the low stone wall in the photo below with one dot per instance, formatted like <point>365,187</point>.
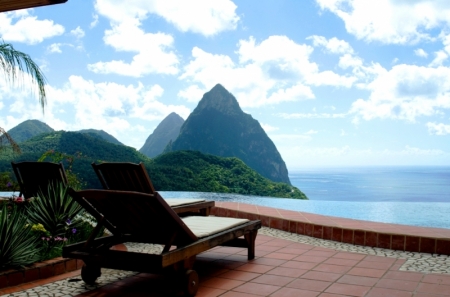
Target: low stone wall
<point>391,241</point>
<point>39,270</point>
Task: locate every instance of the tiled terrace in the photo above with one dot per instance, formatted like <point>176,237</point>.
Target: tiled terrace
<point>286,268</point>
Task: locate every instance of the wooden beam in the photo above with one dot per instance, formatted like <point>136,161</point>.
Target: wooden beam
<point>9,5</point>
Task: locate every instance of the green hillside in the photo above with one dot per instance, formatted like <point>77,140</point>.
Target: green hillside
<point>28,129</point>
<point>176,171</point>
<point>102,134</point>
<point>195,171</point>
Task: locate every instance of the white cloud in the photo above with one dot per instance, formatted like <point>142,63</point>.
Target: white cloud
<point>112,107</point>
<point>154,54</point>
<point>332,45</point>
<point>390,21</point>
<point>311,115</point>
<point>414,151</point>
<point>269,128</point>
<point>22,27</point>
<point>440,57</point>
<point>112,100</point>
<point>406,92</point>
<point>420,53</point>
<point>199,16</point>
<point>363,73</point>
<point>270,72</point>
<point>312,132</point>
<point>192,93</point>
<point>438,128</point>
<point>304,138</point>
<point>55,48</point>
<point>94,21</point>
<point>77,32</point>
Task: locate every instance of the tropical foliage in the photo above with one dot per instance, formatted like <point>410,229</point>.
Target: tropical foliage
<point>175,171</point>
<point>56,211</point>
<point>19,245</point>
<point>15,65</point>
<point>37,229</point>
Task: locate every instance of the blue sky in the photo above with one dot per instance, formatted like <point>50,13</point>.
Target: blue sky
<point>332,82</point>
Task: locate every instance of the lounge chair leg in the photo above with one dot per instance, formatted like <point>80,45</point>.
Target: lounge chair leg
<point>90,273</point>
<point>250,237</point>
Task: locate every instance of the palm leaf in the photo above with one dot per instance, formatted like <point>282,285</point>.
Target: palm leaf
<point>15,63</point>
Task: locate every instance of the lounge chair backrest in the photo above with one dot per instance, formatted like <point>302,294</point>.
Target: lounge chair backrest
<point>34,177</point>
<point>124,177</point>
<point>144,217</point>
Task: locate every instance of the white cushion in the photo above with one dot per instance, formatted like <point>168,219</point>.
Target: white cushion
<point>177,202</point>
<point>205,226</point>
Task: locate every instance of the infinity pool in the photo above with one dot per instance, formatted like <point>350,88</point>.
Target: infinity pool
<point>424,214</point>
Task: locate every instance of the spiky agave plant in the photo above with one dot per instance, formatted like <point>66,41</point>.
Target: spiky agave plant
<point>55,210</point>
<point>19,246</point>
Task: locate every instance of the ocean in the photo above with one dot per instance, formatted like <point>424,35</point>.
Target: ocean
<point>417,196</point>
<point>375,184</point>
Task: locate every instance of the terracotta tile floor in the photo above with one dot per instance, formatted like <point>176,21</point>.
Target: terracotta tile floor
<point>286,268</point>
<point>314,271</point>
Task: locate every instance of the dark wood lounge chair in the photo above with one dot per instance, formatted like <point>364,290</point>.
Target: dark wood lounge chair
<point>147,218</point>
<point>34,177</point>
<point>123,176</point>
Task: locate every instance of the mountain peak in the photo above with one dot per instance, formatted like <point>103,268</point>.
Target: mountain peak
<point>29,129</point>
<point>220,99</point>
<point>218,126</point>
<point>165,132</point>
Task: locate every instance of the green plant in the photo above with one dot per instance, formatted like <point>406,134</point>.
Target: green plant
<point>56,157</point>
<point>19,246</point>
<point>7,183</point>
<point>56,211</point>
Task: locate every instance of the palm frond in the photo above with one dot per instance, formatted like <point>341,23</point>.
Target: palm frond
<point>6,139</point>
<point>14,63</point>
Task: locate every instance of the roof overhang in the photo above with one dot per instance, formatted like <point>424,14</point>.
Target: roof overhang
<point>9,5</point>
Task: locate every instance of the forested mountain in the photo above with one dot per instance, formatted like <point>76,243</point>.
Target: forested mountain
<point>32,128</point>
<point>165,132</point>
<point>176,171</point>
<point>219,127</point>
<point>102,134</point>
<point>28,129</point>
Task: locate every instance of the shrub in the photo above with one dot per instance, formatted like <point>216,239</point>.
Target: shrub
<point>56,211</point>
<point>19,246</point>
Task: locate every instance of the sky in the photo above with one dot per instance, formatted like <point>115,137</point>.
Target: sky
<point>332,82</point>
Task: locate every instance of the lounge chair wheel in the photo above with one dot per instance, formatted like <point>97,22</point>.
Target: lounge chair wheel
<point>190,282</point>
<point>90,273</point>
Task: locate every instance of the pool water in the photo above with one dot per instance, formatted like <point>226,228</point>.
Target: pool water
<point>424,214</point>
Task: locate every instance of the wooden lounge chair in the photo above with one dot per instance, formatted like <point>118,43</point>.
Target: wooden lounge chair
<point>147,218</point>
<point>34,177</point>
<point>134,177</point>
